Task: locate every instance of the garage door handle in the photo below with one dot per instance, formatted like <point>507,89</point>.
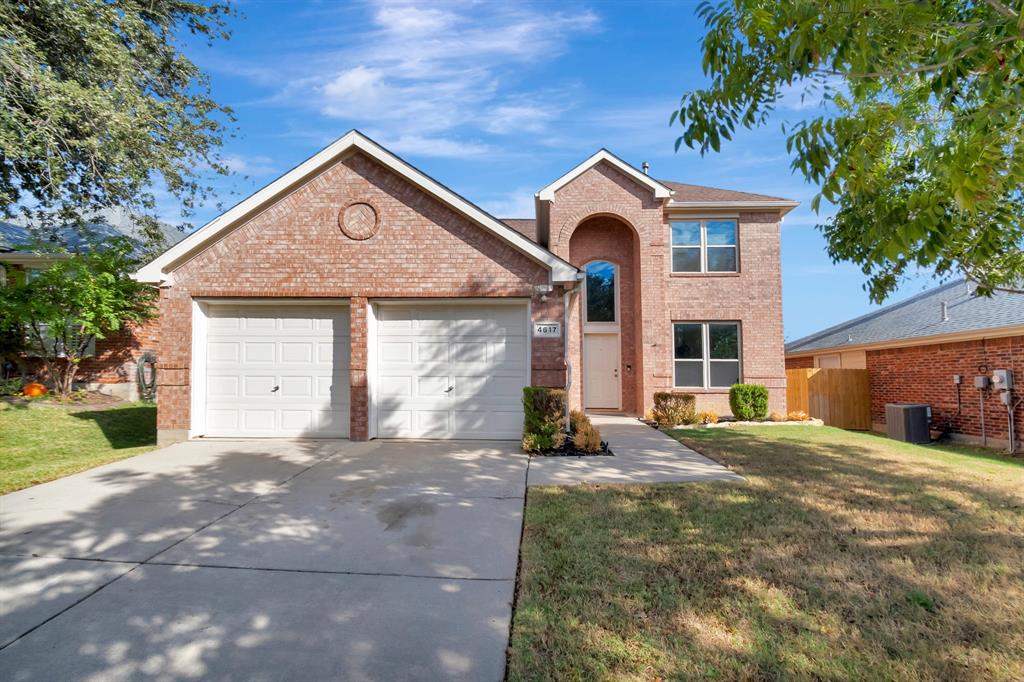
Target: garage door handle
<point>449,389</point>
<point>274,389</point>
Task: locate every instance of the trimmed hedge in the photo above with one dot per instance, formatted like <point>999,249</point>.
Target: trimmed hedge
<point>672,409</point>
<point>544,418</point>
<point>748,402</point>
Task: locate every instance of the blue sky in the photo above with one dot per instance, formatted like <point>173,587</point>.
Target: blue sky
<point>497,99</point>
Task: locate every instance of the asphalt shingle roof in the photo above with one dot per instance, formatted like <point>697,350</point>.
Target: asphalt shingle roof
<point>921,316</point>
<point>686,192</point>
<point>524,226</point>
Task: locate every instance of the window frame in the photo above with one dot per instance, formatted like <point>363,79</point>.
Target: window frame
<point>617,312</point>
<point>706,358</point>
<point>703,246</point>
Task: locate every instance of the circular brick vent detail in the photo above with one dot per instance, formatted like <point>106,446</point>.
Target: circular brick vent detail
<point>359,221</point>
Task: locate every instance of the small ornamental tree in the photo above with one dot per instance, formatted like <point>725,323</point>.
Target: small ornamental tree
<point>66,307</point>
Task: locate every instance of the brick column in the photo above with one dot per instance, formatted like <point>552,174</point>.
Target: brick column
<point>359,403</point>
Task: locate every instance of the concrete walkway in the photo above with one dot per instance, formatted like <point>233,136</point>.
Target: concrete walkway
<point>642,455</point>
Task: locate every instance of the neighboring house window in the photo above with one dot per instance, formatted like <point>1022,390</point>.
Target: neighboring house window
<point>52,346</point>
<point>600,292</point>
<point>704,246</point>
<point>706,354</point>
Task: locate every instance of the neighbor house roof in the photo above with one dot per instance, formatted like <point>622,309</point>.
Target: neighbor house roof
<point>921,318</point>
<point>19,243</point>
<point>159,270</point>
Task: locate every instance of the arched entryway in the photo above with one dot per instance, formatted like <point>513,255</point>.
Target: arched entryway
<point>604,345</point>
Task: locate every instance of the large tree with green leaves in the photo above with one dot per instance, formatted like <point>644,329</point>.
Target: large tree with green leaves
<point>99,105</point>
<point>919,139</point>
<point>65,308</point>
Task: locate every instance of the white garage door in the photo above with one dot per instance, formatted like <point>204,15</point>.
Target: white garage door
<point>277,371</point>
<point>451,370</point>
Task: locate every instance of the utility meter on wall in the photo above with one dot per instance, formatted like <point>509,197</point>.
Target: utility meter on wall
<point>1002,380</point>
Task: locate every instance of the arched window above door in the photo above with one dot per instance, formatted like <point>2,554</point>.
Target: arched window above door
<point>601,296</point>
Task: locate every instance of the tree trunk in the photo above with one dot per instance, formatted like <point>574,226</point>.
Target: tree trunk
<point>67,381</point>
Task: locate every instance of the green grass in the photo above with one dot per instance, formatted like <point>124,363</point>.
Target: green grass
<point>43,443</point>
<point>842,556</point>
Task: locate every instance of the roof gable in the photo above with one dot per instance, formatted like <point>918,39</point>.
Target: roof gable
<point>605,156</point>
<point>159,270</point>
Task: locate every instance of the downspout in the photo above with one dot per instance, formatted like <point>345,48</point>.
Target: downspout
<point>567,299</point>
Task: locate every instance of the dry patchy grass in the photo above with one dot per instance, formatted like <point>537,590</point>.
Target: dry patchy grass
<point>842,556</point>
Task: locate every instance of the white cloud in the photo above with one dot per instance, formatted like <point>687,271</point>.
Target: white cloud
<point>513,118</point>
<point>432,146</point>
<point>249,165</point>
<point>435,74</point>
<point>516,204</point>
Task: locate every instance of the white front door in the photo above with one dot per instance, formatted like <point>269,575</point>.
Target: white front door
<point>601,371</point>
<point>451,370</point>
<point>277,370</point>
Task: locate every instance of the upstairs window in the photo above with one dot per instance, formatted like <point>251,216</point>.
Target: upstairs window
<point>704,246</point>
<point>600,292</point>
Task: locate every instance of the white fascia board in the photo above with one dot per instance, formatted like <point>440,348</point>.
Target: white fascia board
<point>782,206</point>
<point>660,190</point>
<point>561,271</point>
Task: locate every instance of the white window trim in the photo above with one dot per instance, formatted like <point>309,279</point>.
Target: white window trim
<point>601,326</point>
<point>703,246</point>
<point>706,358</point>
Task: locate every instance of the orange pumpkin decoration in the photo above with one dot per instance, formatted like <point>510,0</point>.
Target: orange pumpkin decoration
<point>34,390</point>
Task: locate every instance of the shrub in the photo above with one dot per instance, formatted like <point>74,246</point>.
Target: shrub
<point>748,402</point>
<point>797,416</point>
<point>671,409</point>
<point>707,417</point>
<point>544,418</point>
<point>577,419</point>
<point>587,438</point>
<point>776,416</point>
<point>10,386</point>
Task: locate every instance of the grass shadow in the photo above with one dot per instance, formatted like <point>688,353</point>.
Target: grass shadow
<point>124,427</point>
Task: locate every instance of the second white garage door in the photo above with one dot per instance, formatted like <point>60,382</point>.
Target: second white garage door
<point>451,370</point>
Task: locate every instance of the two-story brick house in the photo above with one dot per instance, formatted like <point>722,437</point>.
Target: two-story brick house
<point>357,297</point>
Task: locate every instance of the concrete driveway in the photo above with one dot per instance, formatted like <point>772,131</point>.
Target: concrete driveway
<point>266,561</point>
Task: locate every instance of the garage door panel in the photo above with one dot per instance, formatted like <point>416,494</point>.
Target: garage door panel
<point>258,352</point>
<point>226,386</point>
<point>301,350</point>
<point>477,350</point>
<point>489,423</point>
<point>396,351</point>
<point>296,352</point>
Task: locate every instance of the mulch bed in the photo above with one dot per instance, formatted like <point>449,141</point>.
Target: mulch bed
<point>569,450</point>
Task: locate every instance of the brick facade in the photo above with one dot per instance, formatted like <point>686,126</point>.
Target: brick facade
<point>924,374</point>
<point>752,297</point>
<point>295,249</point>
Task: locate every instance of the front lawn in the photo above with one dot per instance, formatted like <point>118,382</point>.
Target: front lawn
<point>842,556</point>
<point>40,444</point>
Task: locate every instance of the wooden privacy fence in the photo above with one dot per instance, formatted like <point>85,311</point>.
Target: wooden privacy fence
<point>839,397</point>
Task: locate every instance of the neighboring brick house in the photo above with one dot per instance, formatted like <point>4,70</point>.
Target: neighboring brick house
<point>914,349</point>
<point>356,296</point>
<point>111,364</point>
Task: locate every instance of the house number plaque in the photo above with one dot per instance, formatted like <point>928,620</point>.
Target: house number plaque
<point>551,330</point>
